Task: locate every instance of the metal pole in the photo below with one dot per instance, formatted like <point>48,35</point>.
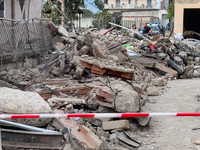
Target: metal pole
<point>63,14</point>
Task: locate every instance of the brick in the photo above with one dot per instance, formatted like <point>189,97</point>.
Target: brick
<point>166,69</point>
<point>112,125</point>
<point>98,70</point>
<point>86,65</point>
<point>127,75</point>
<point>113,72</point>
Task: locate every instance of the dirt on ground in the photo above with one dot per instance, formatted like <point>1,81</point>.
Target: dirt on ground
<point>168,132</point>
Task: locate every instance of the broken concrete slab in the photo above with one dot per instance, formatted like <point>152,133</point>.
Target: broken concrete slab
<point>53,28</point>
<point>58,46</point>
<point>152,91</point>
<point>158,81</point>
<point>79,73</point>
<point>112,125</point>
<point>138,88</point>
<point>127,101</point>
<point>84,50</point>
<point>146,62</point>
<point>94,121</point>
<point>145,86</point>
<point>99,51</point>
<point>166,69</point>
<point>62,31</point>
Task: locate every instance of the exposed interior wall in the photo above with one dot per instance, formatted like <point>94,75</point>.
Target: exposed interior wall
<point>32,9</point>
<point>179,15</point>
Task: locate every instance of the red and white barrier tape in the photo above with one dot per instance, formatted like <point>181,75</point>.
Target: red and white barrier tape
<point>97,115</point>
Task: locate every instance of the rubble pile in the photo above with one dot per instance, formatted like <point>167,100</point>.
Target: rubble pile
<point>103,72</point>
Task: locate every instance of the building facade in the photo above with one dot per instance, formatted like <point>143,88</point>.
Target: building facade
<point>21,9</point>
<point>139,11</point>
<point>187,16</point>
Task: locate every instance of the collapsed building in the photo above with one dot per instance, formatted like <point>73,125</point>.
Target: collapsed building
<point>45,69</point>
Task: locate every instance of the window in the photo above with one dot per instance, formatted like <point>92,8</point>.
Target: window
<point>129,1</point>
<point>149,3</point>
<point>117,3</point>
<point>1,9</point>
<point>136,2</point>
<point>105,1</point>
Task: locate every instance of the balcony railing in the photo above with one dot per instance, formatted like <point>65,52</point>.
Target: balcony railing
<point>130,6</point>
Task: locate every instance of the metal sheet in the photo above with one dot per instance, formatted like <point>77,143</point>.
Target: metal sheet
<point>24,139</point>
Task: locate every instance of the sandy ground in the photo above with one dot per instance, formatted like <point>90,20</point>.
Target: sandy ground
<point>173,133</point>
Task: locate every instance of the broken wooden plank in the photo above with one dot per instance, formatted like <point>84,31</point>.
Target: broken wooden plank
<point>166,69</point>
<point>69,91</point>
<point>105,31</point>
<point>81,134</point>
<point>53,28</point>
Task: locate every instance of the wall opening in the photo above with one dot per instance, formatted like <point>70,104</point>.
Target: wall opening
<point>2,9</point>
<point>192,21</point>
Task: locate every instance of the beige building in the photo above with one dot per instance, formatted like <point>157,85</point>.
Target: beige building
<point>187,16</point>
<point>124,5</point>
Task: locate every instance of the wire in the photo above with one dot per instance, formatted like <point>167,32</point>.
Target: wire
<point>30,43</point>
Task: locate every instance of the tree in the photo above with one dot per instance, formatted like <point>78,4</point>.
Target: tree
<point>71,9</point>
<point>102,20</point>
<point>170,10</point>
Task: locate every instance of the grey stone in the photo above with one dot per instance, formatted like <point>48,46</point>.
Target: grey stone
<point>147,79</point>
<point>138,88</point>
<point>120,124</point>
<point>81,42</point>
<point>10,72</point>
<point>113,138</point>
<point>145,86</point>
<point>161,54</point>
<point>94,121</point>
<point>58,46</point>
<point>70,107</point>
<point>79,72</point>
<point>167,76</point>
<point>127,101</point>
<point>56,39</point>
<point>56,71</point>
<point>106,134</point>
<point>178,60</point>
<point>99,132</point>
<point>62,31</point>
<point>83,50</point>
<point>3,73</point>
<point>152,91</point>
<point>197,59</point>
<point>195,74</point>
<point>158,81</point>
<point>99,50</point>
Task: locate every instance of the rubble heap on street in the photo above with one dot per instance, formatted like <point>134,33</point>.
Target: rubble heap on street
<point>99,72</point>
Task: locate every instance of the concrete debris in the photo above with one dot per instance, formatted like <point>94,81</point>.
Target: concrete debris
<point>158,81</point>
<point>102,72</point>
<point>127,101</point>
<point>112,125</point>
<point>152,91</point>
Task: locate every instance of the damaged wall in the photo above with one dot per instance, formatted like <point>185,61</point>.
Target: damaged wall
<point>30,11</point>
<point>179,14</point>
